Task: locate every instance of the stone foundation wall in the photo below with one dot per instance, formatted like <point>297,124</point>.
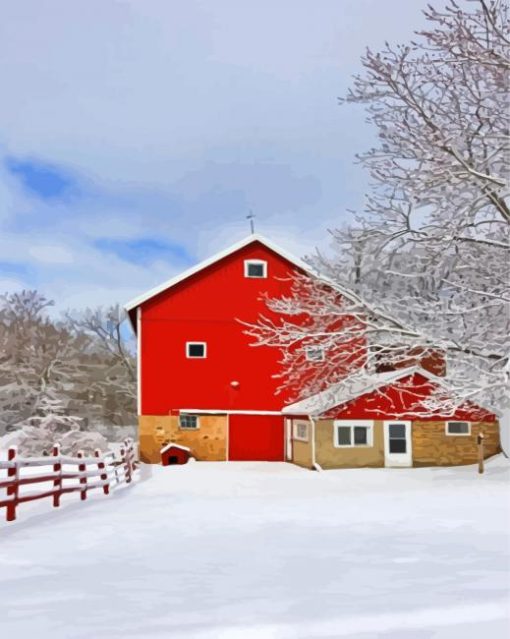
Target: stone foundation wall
<point>433,447</point>
<point>207,443</point>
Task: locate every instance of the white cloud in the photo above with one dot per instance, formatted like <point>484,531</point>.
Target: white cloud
<point>11,285</point>
<point>51,254</point>
<point>167,83</point>
<point>177,118</point>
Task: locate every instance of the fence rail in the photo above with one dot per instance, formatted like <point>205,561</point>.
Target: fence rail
<point>107,471</point>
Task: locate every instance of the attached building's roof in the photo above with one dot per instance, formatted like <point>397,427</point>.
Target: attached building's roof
<point>225,253</point>
<point>351,388</point>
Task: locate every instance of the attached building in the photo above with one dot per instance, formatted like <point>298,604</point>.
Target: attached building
<point>376,422</point>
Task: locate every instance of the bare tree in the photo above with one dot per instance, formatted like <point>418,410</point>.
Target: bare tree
<point>36,354</point>
<point>71,365</point>
<point>113,386</point>
<point>427,262</point>
<point>107,325</point>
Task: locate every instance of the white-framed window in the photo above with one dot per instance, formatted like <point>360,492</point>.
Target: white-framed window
<point>458,428</point>
<point>255,268</point>
<point>315,353</point>
<point>301,430</point>
<point>353,433</point>
<point>196,350</point>
<point>189,422</point>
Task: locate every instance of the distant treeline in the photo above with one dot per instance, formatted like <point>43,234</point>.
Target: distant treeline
<point>82,364</point>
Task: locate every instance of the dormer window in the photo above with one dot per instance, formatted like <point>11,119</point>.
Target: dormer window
<point>196,350</point>
<point>255,268</point>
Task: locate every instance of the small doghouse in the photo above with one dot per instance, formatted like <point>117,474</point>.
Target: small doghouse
<point>174,454</point>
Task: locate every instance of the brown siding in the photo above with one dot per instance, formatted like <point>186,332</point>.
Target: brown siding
<point>327,456</point>
<point>432,447</point>
<point>208,443</point>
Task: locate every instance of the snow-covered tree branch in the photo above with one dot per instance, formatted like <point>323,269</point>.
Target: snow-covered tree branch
<point>428,258</point>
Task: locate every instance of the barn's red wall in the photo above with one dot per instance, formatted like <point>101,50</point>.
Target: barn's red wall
<point>392,402</point>
<point>204,308</point>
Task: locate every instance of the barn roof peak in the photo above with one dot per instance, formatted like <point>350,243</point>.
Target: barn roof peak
<point>255,237</point>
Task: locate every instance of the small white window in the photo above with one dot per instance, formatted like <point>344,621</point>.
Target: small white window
<point>255,268</point>
<point>353,433</point>
<point>458,428</point>
<point>189,422</point>
<point>314,353</point>
<point>196,350</point>
<point>301,431</point>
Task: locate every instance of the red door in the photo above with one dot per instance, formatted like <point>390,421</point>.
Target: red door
<point>256,438</point>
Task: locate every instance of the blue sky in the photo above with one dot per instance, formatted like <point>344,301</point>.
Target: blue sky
<point>135,136</point>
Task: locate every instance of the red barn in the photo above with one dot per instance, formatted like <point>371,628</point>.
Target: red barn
<point>201,383</point>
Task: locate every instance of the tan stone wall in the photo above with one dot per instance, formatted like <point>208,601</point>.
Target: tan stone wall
<point>208,443</point>
<point>327,456</point>
<point>433,447</point>
<point>302,453</point>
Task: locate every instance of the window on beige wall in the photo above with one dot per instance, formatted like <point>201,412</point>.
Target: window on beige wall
<point>301,431</point>
<point>189,422</point>
<point>458,428</point>
<point>352,433</point>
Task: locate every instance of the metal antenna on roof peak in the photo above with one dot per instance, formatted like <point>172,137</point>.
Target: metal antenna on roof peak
<point>251,217</point>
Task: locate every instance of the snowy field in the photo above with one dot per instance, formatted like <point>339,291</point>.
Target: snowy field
<point>247,550</point>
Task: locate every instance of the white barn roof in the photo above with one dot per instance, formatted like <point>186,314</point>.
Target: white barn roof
<point>255,237</point>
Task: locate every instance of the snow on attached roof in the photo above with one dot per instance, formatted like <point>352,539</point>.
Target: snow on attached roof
<point>172,445</point>
<point>353,387</point>
<point>255,237</point>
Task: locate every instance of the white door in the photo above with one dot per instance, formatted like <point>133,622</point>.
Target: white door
<point>398,450</point>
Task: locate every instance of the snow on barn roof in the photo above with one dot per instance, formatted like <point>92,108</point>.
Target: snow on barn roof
<point>255,237</point>
<point>351,388</point>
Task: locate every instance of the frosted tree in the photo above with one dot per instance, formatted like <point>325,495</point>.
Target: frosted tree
<point>44,360</point>
<point>425,267</point>
<point>35,356</point>
<point>52,423</point>
<point>113,386</point>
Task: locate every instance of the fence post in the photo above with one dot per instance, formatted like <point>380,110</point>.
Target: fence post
<point>122,463</point>
<point>479,440</point>
<point>12,490</point>
<point>83,480</point>
<point>128,462</point>
<point>57,483</point>
<point>103,475</point>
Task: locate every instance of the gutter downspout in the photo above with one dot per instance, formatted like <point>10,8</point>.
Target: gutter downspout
<point>315,465</point>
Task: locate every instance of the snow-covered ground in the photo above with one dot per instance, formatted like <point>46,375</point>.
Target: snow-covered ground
<point>248,550</point>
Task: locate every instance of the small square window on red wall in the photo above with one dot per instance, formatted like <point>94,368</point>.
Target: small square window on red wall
<point>196,350</point>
